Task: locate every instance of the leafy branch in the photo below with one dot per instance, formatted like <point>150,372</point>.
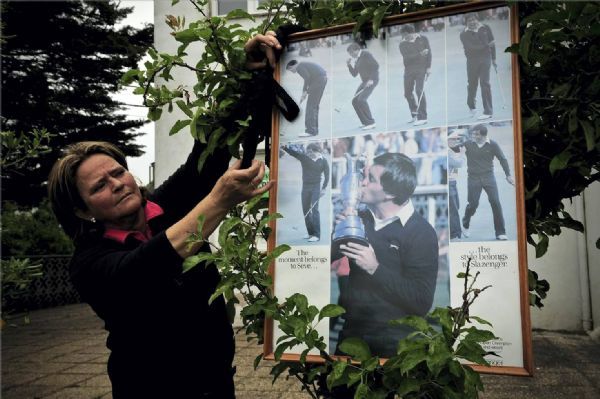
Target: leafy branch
<point>427,363</point>
<point>18,149</point>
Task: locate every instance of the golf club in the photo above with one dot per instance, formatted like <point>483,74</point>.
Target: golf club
<point>356,95</point>
<point>500,87</point>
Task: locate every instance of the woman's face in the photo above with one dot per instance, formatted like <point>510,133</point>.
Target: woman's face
<point>110,192</point>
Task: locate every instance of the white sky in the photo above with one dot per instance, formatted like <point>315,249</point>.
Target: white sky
<point>143,13</point>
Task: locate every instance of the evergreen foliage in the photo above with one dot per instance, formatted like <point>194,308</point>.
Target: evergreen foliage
<point>61,61</point>
<point>36,231</point>
<point>560,87</point>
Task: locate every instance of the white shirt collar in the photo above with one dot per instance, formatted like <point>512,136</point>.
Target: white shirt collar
<point>403,215</point>
<point>487,140</point>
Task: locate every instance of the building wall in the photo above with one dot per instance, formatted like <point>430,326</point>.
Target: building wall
<point>572,264</point>
<point>592,226</point>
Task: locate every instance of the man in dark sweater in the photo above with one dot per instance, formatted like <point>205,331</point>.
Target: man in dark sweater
<point>395,276</point>
<point>313,166</point>
<point>368,68</point>
<point>416,54</point>
<point>478,43</point>
<point>315,80</point>
<point>480,153</point>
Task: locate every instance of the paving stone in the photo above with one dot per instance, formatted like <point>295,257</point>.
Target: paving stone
<point>20,378</point>
<point>28,391</point>
<point>86,368</point>
<point>62,355</point>
<point>80,393</point>
<point>96,381</point>
<point>63,380</point>
<point>76,357</point>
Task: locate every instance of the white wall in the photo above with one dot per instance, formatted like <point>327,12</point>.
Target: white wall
<point>592,221</point>
<point>572,264</point>
<point>171,151</point>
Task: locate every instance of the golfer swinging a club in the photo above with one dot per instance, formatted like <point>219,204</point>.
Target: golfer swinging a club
<point>313,165</point>
<point>368,68</point>
<point>416,54</point>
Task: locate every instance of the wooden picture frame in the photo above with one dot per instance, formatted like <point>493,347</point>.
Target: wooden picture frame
<point>324,157</point>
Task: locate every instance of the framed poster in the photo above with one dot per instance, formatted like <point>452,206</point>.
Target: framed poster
<point>404,162</point>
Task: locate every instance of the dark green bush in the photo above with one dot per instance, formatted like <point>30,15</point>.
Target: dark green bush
<point>27,231</point>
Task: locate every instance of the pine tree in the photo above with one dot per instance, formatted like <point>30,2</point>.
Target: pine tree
<point>61,61</point>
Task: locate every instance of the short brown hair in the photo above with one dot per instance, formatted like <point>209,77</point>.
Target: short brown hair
<point>62,182</point>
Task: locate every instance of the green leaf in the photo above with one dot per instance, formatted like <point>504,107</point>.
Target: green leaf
<point>337,376</point>
<point>282,348</point>
<point>276,252</point>
<point>220,290</point>
<point>239,13</point>
<point>408,385</point>
<point>153,54</point>
<point>184,107</point>
<point>303,355</point>
<point>154,113</point>
<point>361,391</point>
<point>356,347</point>
<point>257,361</point>
<point>472,352</point>
<point>476,335</point>
<point>129,76</point>
<point>267,219</point>
<point>186,36</point>
<point>180,124</point>
<point>590,135</point>
<point>378,15</point>
<point>192,261</point>
<point>531,122</point>
<point>456,368</point>
<point>412,359</point>
<point>331,310</point>
<point>542,245</point>
<point>371,364</point>
<point>416,322</point>
<point>278,369</point>
<point>559,162</point>
<point>524,46</point>
<point>480,320</point>
<point>300,301</point>
<point>226,228</point>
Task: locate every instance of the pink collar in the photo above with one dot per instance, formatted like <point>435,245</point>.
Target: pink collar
<point>151,210</point>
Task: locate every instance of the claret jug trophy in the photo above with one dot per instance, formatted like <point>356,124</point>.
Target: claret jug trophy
<point>351,228</point>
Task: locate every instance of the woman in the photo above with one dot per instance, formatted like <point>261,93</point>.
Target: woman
<point>166,341</point>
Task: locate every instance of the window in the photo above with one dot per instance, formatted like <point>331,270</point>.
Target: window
<point>222,7</point>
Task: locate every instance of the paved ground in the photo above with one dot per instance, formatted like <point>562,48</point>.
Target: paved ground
<point>61,354</point>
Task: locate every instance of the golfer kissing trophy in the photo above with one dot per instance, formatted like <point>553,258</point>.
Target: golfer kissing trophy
<point>350,229</point>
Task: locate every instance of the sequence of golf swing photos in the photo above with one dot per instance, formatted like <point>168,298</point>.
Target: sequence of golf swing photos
<point>380,178</point>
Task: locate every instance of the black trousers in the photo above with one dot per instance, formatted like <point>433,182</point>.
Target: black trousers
<point>360,104</point>
<point>310,208</point>
<point>311,116</point>
<point>414,81</point>
<point>487,183</point>
<point>453,207</point>
<point>478,73</point>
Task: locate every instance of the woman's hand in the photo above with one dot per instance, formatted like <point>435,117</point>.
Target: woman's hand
<point>238,185</point>
<point>260,49</point>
